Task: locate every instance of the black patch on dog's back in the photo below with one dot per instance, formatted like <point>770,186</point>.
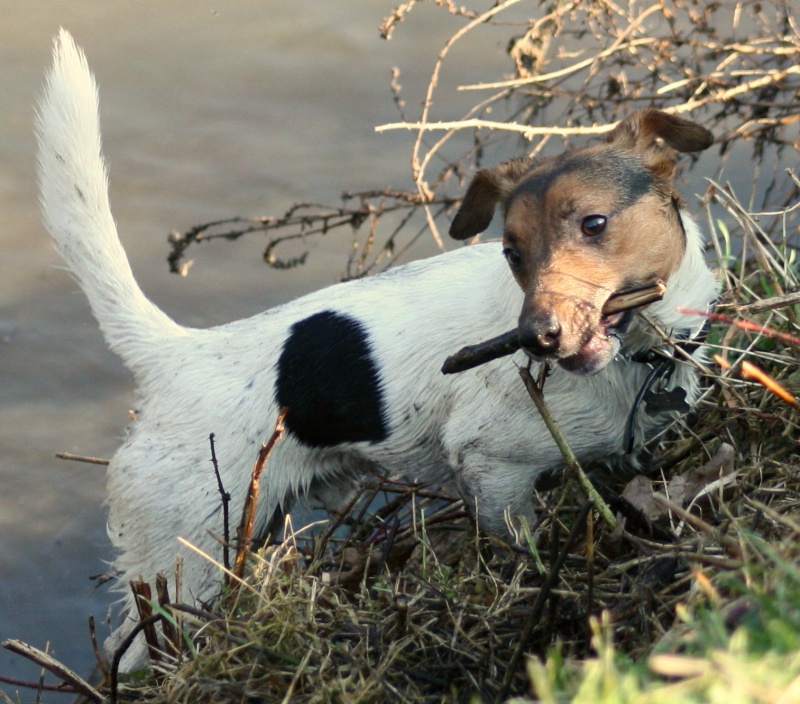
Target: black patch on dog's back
<point>329,382</point>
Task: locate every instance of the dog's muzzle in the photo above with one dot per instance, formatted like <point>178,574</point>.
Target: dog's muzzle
<point>543,338</point>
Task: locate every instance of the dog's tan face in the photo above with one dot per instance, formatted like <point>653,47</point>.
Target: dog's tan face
<point>582,226</point>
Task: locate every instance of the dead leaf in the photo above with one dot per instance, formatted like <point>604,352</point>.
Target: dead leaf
<point>638,492</point>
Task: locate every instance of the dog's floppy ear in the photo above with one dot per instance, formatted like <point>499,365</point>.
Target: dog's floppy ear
<point>487,188</point>
<point>658,136</point>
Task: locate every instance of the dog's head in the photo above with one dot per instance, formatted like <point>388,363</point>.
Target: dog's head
<point>584,225</point>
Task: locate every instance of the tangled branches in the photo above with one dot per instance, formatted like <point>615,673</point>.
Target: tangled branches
<point>575,68</point>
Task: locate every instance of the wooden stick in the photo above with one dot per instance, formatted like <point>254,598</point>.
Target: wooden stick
<point>81,458</point>
<point>172,639</point>
<point>508,343</point>
<point>144,597</point>
<point>475,355</point>
<point>245,530</point>
<point>765,304</point>
<point>635,298</point>
<point>51,664</point>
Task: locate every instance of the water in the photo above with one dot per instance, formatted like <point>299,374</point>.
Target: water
<point>209,110</point>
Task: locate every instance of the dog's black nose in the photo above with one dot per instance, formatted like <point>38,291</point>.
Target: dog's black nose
<point>540,335</point>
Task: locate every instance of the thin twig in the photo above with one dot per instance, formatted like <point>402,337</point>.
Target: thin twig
<point>226,500</point>
<point>419,166</point>
<point>573,466</point>
<point>123,648</point>
<point>81,458</point>
<point>767,304</point>
<point>245,530</point>
<point>527,131</point>
<point>751,372</point>
<point>27,684</point>
<point>743,324</point>
<point>95,648</point>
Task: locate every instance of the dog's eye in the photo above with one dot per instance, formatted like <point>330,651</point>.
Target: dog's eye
<point>512,257</point>
<point>593,225</point>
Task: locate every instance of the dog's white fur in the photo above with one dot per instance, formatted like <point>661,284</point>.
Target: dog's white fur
<point>477,431</point>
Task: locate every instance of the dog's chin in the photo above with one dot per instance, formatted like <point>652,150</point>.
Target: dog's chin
<point>593,357</point>
<point>601,347</point>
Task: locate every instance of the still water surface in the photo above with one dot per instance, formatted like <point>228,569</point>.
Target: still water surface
<point>209,110</point>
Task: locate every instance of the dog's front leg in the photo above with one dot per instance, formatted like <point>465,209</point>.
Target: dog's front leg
<point>496,491</point>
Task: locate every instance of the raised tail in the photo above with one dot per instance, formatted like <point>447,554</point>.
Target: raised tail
<point>73,184</point>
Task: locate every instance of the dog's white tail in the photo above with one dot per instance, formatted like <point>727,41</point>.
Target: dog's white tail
<point>73,184</point>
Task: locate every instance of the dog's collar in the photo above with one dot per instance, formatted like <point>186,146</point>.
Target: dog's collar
<point>677,207</point>
<point>662,365</point>
<point>655,395</point>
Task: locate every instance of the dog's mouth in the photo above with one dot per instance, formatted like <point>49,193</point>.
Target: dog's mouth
<point>614,323</point>
<point>601,346</point>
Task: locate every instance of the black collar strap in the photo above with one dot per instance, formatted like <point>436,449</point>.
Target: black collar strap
<point>677,208</point>
<point>662,363</point>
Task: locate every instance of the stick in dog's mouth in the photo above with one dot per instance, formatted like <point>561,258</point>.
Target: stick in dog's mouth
<point>474,355</point>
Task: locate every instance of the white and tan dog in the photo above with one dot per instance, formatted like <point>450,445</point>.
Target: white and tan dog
<point>358,364</point>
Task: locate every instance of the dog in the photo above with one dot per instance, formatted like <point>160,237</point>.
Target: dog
<point>357,365</point>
